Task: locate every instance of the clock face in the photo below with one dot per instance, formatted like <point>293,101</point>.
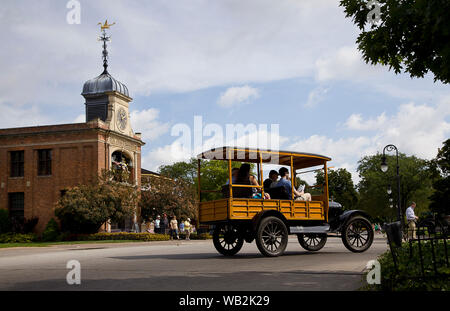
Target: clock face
<point>122,119</point>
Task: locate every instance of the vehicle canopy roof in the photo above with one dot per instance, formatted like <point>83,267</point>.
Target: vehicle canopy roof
<point>254,155</point>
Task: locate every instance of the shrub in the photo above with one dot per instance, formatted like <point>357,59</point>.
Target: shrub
<point>29,224</point>
<point>196,236</point>
<point>409,276</point>
<point>85,208</point>
<point>102,236</point>
<point>51,232</point>
<point>17,238</point>
<point>5,224</point>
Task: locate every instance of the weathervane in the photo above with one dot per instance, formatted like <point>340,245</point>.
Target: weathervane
<point>105,39</point>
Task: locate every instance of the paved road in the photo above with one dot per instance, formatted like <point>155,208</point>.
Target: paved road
<point>185,265</point>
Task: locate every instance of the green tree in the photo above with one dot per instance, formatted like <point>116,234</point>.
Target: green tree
<point>440,199</point>
<point>85,208</point>
<point>413,35</point>
<point>415,185</point>
<point>164,195</point>
<point>214,174</point>
<point>340,186</point>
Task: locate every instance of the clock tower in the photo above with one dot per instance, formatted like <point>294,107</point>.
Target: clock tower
<point>106,98</point>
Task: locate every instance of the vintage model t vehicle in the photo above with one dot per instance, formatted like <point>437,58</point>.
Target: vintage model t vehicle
<point>237,217</point>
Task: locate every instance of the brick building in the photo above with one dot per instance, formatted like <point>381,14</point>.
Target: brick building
<point>38,164</point>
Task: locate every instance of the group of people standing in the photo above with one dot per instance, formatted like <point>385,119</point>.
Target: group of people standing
<point>171,227</point>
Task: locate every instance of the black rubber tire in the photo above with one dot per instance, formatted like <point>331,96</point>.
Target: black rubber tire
<point>312,241</point>
<point>227,239</point>
<point>272,236</point>
<point>357,234</point>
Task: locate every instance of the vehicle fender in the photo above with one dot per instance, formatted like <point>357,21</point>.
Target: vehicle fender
<point>346,215</point>
<point>261,215</point>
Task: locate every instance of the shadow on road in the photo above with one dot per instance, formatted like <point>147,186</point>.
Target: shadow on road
<point>196,281</point>
<point>200,256</point>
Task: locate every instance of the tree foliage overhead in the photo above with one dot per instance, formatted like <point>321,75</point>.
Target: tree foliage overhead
<point>340,186</point>
<point>85,208</point>
<point>415,184</point>
<point>412,35</point>
<point>440,199</point>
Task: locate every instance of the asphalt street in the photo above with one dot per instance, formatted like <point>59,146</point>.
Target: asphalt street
<point>186,265</point>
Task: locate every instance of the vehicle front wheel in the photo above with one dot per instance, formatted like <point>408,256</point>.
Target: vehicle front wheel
<point>272,237</point>
<point>227,239</point>
<point>312,241</point>
<point>357,234</point>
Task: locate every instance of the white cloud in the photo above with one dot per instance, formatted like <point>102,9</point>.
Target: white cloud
<point>235,96</point>
<point>21,117</point>
<point>146,122</point>
<point>182,149</point>
<point>165,155</point>
<point>415,129</point>
<point>356,122</point>
<point>80,119</point>
<point>316,96</point>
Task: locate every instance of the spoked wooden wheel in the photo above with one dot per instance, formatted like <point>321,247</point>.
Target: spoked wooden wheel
<point>272,237</point>
<point>312,241</point>
<point>357,234</point>
<point>227,239</point>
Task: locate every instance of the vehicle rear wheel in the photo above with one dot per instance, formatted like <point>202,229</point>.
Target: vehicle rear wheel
<point>272,236</point>
<point>357,234</point>
<point>227,239</point>
<point>312,241</point>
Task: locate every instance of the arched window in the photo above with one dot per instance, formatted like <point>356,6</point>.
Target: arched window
<point>120,161</point>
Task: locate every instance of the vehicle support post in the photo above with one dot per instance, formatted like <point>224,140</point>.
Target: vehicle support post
<point>198,177</point>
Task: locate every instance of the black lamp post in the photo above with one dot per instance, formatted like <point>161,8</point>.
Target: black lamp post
<point>384,168</point>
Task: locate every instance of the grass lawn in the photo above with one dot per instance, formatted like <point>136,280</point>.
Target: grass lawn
<point>45,244</point>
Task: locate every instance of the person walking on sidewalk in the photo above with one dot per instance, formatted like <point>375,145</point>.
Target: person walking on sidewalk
<point>187,228</point>
<point>174,228</point>
<point>411,219</point>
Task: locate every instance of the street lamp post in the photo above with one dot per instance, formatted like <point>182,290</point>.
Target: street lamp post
<point>384,168</point>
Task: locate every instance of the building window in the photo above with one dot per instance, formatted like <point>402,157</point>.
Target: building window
<point>17,206</point>
<point>44,162</point>
<point>17,160</point>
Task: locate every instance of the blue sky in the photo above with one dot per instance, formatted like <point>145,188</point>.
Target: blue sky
<point>288,62</point>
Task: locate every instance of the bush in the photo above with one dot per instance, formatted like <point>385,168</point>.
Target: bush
<point>5,223</point>
<point>29,224</point>
<point>117,236</point>
<point>196,236</point>
<point>84,209</point>
<point>17,238</point>
<point>409,275</point>
<point>51,232</point>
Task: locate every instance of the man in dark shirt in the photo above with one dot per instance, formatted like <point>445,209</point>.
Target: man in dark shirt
<point>271,181</point>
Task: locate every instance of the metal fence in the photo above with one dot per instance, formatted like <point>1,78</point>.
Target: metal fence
<point>423,244</point>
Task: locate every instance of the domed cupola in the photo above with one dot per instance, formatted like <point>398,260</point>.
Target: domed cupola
<point>102,84</point>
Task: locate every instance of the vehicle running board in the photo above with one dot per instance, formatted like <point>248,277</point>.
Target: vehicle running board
<point>314,229</point>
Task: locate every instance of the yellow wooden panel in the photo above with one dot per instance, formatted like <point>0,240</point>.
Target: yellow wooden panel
<point>248,208</point>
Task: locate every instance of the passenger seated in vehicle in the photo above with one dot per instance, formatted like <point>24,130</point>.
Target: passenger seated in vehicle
<point>234,175</point>
<point>271,182</point>
<point>286,183</point>
<point>244,178</point>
